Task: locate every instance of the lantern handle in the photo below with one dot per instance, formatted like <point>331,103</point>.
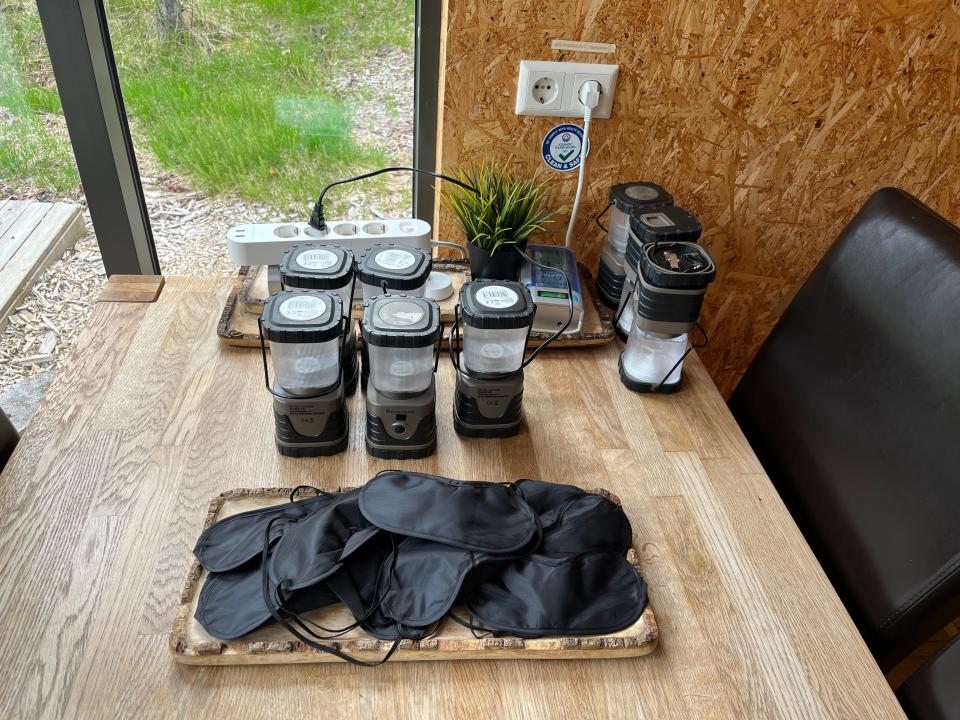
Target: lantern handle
<point>706,341</point>
<point>616,318</point>
<point>349,319</point>
<point>455,330</point>
<point>436,353</point>
<point>559,332</point>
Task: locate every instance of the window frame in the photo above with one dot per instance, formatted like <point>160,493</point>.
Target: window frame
<point>78,41</point>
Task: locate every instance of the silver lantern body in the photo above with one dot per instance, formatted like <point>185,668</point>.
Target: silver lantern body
<point>326,267</point>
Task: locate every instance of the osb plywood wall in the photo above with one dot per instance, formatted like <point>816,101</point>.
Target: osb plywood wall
<point>772,121</point>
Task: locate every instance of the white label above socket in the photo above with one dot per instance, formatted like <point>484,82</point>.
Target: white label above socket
<point>552,88</point>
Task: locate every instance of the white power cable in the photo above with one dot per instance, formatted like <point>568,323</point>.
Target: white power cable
<point>589,95</point>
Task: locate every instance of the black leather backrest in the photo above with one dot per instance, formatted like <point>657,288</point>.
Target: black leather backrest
<point>933,692</point>
<point>853,407</point>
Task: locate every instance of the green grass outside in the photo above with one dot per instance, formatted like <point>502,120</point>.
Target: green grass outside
<point>244,102</point>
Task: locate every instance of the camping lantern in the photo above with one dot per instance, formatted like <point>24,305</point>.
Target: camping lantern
<point>394,269</point>
<point>669,223</point>
<point>672,280</point>
<point>497,318</point>
<point>326,267</point>
<point>402,336</point>
<point>625,200</point>
<point>306,330</point>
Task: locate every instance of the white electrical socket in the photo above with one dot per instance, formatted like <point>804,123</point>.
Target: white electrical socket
<point>552,88</point>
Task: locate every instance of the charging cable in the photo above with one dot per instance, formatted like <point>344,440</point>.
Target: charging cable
<point>589,95</point>
<point>317,219</point>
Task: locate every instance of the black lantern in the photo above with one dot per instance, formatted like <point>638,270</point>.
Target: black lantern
<point>625,200</point>
<point>401,334</point>
<point>497,318</point>
<point>306,331</point>
<point>327,267</point>
<point>672,278</point>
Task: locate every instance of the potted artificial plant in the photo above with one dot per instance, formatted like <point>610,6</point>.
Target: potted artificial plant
<point>503,214</point>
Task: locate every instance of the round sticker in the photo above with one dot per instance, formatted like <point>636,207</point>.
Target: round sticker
<point>401,313</point>
<point>317,259</point>
<point>303,308</point>
<point>562,147</point>
<point>396,259</point>
<point>642,192</point>
<point>497,297</point>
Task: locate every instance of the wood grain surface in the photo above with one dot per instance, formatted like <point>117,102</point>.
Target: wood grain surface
<point>152,416</point>
<point>771,121</point>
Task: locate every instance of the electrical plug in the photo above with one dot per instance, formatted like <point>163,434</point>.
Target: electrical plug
<point>589,94</point>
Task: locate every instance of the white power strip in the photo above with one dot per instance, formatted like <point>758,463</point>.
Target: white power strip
<point>265,243</point>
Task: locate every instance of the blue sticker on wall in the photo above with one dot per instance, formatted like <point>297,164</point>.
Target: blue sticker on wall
<point>562,147</point>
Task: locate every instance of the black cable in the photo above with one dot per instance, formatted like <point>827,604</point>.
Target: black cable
<point>596,218</point>
<point>706,341</point>
<point>563,329</point>
<point>317,220</point>
<point>275,613</point>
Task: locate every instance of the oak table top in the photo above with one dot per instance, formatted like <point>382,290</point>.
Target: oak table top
<point>151,417</point>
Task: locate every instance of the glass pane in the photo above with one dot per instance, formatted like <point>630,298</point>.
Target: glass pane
<point>242,111</point>
<point>50,268</point>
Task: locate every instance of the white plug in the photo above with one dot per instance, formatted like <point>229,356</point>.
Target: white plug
<point>589,94</point>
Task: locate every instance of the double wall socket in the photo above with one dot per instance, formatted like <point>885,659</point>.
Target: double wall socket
<point>552,88</point>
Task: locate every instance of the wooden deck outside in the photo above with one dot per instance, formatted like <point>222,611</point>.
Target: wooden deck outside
<point>32,236</point>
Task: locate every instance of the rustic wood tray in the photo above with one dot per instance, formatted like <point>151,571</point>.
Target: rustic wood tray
<point>238,321</point>
<point>271,644</point>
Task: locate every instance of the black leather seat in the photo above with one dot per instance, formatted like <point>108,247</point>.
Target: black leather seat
<point>8,438</point>
<point>933,692</point>
<point>853,407</point>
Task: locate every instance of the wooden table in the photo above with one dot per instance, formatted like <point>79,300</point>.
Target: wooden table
<point>102,502</point>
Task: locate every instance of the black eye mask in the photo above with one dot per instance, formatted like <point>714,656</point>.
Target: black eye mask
<point>424,580</point>
<point>528,559</point>
<point>312,549</point>
<point>586,523</point>
<point>427,576</point>
<point>230,543</point>
<point>486,517</point>
<point>545,496</point>
<point>588,594</point>
<point>231,603</point>
<point>359,585</point>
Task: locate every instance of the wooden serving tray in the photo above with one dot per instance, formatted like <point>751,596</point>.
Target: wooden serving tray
<point>271,644</point>
<point>238,321</point>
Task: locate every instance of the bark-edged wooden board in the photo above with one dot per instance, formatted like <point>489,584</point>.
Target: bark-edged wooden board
<point>238,321</point>
<point>271,644</point>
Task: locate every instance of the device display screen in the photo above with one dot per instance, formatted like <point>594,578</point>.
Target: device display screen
<point>557,257</point>
<point>552,294</point>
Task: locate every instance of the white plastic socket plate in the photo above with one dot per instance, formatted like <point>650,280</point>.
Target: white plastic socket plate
<point>265,243</point>
<point>552,88</point>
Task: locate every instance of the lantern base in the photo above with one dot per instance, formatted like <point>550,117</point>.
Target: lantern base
<point>643,386</point>
<point>401,428</point>
<point>488,408</point>
<point>311,427</point>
